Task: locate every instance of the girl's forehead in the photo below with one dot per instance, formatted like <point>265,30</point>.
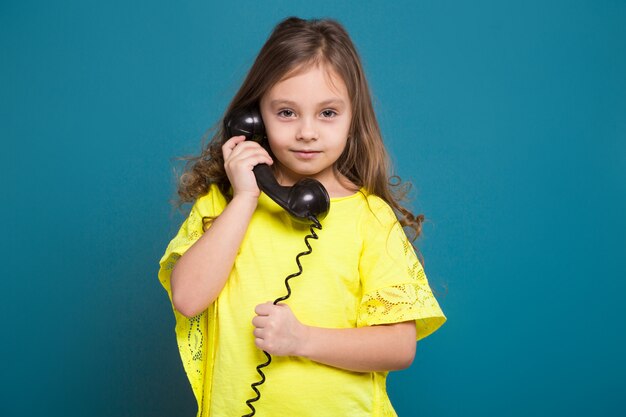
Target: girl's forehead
<point>313,72</point>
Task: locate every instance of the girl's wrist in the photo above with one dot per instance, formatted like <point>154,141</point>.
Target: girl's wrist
<point>303,345</point>
<point>242,206</point>
<point>245,199</point>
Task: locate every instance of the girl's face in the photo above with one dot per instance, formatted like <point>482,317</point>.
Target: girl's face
<point>307,118</point>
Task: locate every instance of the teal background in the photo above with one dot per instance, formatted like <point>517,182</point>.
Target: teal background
<point>509,118</point>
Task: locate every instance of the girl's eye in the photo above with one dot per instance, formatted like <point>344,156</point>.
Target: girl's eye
<point>329,114</point>
<point>286,113</point>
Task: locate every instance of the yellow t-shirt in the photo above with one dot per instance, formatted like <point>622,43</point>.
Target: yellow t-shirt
<point>362,272</point>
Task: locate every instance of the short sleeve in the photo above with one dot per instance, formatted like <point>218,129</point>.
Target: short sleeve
<point>205,207</point>
<point>188,234</point>
<point>191,333</point>
<point>395,287</point>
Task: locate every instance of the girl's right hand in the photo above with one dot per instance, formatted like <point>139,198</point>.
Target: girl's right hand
<point>240,156</point>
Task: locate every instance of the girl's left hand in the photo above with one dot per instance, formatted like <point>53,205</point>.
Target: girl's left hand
<point>277,330</point>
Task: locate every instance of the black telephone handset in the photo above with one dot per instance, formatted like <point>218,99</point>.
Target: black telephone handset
<point>306,199</point>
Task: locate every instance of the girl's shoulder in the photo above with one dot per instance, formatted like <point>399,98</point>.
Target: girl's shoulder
<point>379,208</point>
<point>212,203</point>
<point>372,211</point>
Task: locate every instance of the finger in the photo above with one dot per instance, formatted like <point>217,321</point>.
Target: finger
<point>240,142</point>
<point>258,333</point>
<point>231,144</point>
<point>264,309</point>
<point>260,321</point>
<point>242,152</point>
<point>234,141</point>
<point>259,343</point>
<point>246,156</point>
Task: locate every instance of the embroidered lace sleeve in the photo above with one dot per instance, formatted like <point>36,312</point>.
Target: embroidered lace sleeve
<point>191,333</point>
<point>395,287</point>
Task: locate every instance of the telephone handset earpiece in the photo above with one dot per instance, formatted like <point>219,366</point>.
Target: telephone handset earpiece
<point>304,200</point>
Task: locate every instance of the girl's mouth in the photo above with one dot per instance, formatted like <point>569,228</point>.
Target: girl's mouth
<point>305,153</point>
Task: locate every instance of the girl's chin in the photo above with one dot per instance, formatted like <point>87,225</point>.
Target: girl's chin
<point>290,177</point>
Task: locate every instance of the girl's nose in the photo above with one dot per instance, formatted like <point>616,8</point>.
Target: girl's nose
<point>307,130</point>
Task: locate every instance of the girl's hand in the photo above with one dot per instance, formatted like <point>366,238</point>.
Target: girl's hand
<point>277,330</point>
<point>240,156</point>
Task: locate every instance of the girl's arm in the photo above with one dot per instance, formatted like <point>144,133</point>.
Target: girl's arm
<point>201,272</point>
<point>364,349</point>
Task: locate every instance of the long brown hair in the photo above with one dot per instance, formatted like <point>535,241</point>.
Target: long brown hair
<point>296,43</point>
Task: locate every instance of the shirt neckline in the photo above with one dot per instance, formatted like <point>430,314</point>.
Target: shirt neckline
<point>361,191</point>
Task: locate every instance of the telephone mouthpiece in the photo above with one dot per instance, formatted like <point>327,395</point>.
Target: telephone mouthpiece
<point>308,197</point>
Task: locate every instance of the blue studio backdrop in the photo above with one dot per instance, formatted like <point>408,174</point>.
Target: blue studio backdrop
<point>508,117</point>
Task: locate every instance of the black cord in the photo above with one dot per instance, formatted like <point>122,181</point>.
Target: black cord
<point>314,224</point>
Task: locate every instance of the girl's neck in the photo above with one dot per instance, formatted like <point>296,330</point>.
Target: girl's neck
<point>341,188</point>
<point>336,184</point>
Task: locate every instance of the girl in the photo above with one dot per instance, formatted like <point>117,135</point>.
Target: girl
<point>362,300</point>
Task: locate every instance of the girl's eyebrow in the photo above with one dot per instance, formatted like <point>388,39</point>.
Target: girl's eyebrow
<point>330,102</point>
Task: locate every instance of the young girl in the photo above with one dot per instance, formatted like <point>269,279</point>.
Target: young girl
<point>362,300</point>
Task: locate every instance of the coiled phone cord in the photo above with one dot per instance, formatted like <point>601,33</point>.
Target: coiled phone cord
<point>314,224</point>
